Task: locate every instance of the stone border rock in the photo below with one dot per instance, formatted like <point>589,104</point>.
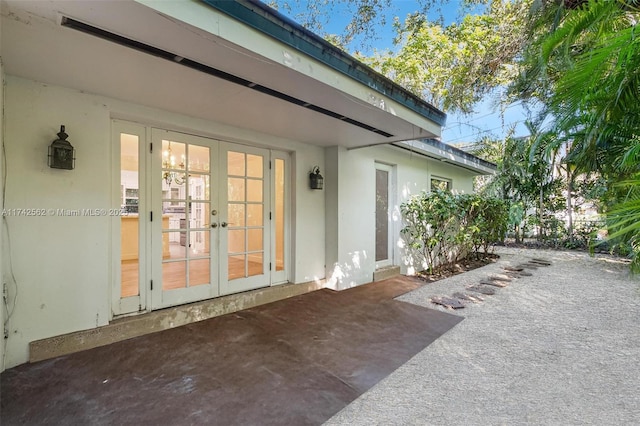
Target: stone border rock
<point>459,300</point>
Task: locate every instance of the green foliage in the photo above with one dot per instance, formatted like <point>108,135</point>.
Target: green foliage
<point>583,64</point>
<point>525,178</point>
<point>442,226</point>
<point>624,220</point>
<point>451,66</point>
<point>455,66</point>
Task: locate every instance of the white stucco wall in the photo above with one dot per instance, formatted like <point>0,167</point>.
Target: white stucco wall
<point>62,265</point>
<point>351,214</point>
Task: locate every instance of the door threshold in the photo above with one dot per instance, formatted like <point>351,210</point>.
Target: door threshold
<point>146,323</point>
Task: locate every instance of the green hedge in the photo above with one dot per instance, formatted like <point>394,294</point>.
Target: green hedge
<point>443,227</point>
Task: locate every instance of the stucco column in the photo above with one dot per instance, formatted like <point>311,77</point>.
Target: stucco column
<point>332,157</point>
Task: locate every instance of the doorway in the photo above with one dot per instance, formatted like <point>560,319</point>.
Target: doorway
<point>197,218</point>
<point>384,239</point>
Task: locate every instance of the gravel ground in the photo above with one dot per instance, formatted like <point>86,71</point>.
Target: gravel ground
<point>561,347</point>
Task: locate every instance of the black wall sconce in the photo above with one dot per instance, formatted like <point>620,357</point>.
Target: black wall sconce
<point>316,180</point>
<point>61,154</point>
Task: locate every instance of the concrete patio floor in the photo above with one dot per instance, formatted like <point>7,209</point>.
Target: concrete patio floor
<point>297,361</point>
<point>561,347</point>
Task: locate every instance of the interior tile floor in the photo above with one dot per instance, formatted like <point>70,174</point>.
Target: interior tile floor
<point>293,362</point>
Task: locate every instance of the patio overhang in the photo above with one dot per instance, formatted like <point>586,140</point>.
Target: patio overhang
<point>197,60</point>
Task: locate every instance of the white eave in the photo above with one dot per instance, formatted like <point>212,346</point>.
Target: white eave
<point>448,154</point>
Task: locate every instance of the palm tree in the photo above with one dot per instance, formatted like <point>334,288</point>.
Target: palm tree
<point>584,65</point>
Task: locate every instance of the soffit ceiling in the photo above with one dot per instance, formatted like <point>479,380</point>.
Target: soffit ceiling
<point>37,47</point>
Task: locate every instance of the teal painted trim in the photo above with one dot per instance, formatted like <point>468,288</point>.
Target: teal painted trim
<point>266,20</point>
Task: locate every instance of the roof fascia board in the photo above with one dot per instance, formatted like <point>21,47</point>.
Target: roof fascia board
<point>264,19</point>
<point>448,154</point>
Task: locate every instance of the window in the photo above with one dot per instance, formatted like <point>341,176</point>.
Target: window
<point>440,183</point>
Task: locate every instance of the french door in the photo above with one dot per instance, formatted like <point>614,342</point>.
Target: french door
<point>244,229</point>
<point>184,193</point>
<point>199,218</point>
<point>210,218</point>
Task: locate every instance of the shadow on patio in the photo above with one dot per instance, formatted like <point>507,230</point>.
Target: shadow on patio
<point>296,361</point>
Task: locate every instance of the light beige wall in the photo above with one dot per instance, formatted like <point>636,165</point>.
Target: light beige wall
<point>63,264</point>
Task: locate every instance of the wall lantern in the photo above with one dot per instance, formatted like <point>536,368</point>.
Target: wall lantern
<point>61,154</point>
<point>315,178</point>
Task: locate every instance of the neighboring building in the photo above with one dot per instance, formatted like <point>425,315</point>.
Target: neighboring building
<point>196,125</point>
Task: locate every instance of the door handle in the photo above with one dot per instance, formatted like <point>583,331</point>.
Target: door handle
<point>214,225</point>
<point>224,224</point>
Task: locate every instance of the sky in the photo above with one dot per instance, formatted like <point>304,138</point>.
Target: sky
<point>487,120</point>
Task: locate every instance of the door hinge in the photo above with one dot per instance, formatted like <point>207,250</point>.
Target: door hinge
<point>269,265</point>
<point>151,285</point>
<point>269,215</point>
<point>151,147</point>
<point>269,164</point>
<point>151,216</point>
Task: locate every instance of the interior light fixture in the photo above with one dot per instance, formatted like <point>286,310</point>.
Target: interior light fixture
<point>169,164</point>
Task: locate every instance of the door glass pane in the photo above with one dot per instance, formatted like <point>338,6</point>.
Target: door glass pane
<point>199,241</point>
<point>279,213</point>
<point>174,245</point>
<point>236,241</point>
<point>199,272</point>
<point>172,212</point>
<point>235,164</point>
<point>130,278</point>
<point>129,232</point>
<point>255,239</point>
<point>236,267</point>
<point>173,155</point>
<point>255,264</point>
<point>199,215</point>
<point>173,185</point>
<point>199,187</point>
<point>254,190</point>
<point>236,214</point>
<point>254,166</point>
<point>235,189</point>
<point>382,219</point>
<point>254,215</point>
<point>198,158</point>
<point>174,275</point>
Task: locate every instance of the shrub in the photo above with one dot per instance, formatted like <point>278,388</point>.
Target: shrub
<point>443,227</point>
